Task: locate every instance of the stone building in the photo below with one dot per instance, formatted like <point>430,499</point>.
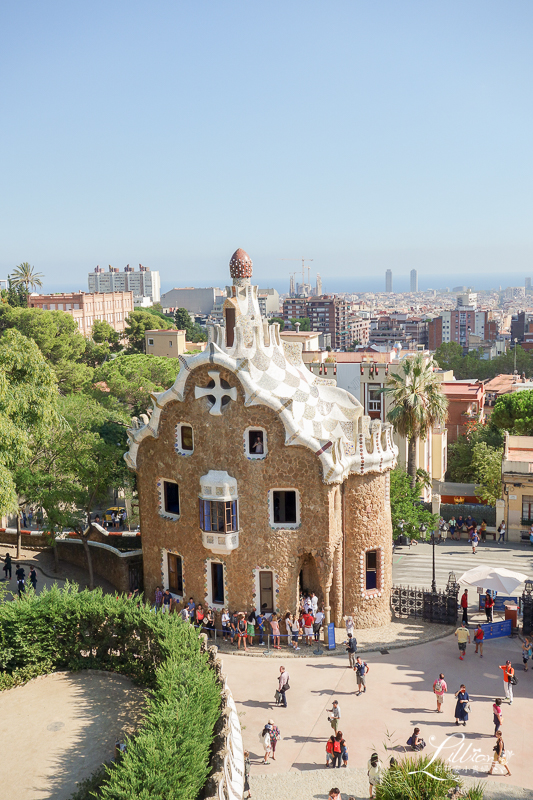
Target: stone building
<point>258,479</point>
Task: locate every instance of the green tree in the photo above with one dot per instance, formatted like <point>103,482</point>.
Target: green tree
<point>24,275</point>
<point>103,332</point>
<point>15,296</point>
<point>407,512</point>
<point>57,337</point>
<point>514,413</point>
<point>28,407</point>
<point>280,322</point>
<point>75,464</point>
<point>305,323</point>
<point>418,403</point>
<point>137,323</point>
<point>183,321</point>
<point>132,378</point>
<point>460,452</point>
<point>487,468</point>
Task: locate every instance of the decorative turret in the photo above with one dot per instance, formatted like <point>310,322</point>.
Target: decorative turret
<point>240,267</point>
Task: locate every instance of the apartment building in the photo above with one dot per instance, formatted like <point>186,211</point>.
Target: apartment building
<point>167,343</point>
<point>86,308</point>
<point>144,283</point>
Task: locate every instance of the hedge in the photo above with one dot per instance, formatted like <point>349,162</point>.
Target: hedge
<point>63,628</point>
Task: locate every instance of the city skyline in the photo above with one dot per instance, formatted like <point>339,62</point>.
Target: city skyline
<point>118,157</point>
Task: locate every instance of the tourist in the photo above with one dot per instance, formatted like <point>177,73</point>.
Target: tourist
<point>497,715</point>
<point>275,736</point>
<point>8,565</point>
<point>460,525</point>
<point>415,741</point>
<point>478,639</point>
<point>344,752</point>
<point>375,770</point>
<point>329,750</point>
<point>199,616</point>
<point>350,625</point>
<point>308,621</point>
<point>242,630</point>
<point>209,622</point>
<point>264,738</point>
<point>167,600</point>
<point>33,578</point>
<point>234,621</point>
<point>274,625</point>
<point>224,620</point>
<point>317,624</point>
<point>295,631</point>
<point>251,626</point>
<point>361,668</point>
<point>247,773</point>
<point>191,605</point>
<point>24,520</point>
<point>508,680</point>
<point>464,606</point>
<point>283,685</point>
<point>501,531</point>
<point>30,517</point>
<point>184,613</point>
<point>483,531</point>
<point>475,540</point>
<point>314,603</point>
<point>462,705</point>
<point>257,447</point>
<point>338,747</point>
<point>260,622</point>
<point>452,524</point>
<point>439,688</point>
<point>526,652</point>
<point>288,628</point>
<point>489,606</point>
<point>463,636</point>
<point>499,754</point>
<point>20,576</point>
<point>158,598</point>
<point>351,649</point>
<point>470,525</point>
<point>335,712</point>
<point>334,794</point>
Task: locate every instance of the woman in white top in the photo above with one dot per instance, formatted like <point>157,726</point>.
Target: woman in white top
<point>375,769</point>
<point>265,739</point>
<point>225,624</point>
<point>295,631</point>
<point>288,627</point>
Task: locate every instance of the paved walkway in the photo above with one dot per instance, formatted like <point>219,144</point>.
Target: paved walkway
<point>43,560</point>
<point>58,729</point>
<point>399,696</point>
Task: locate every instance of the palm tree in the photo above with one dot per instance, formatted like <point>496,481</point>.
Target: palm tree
<point>418,403</point>
<point>24,275</point>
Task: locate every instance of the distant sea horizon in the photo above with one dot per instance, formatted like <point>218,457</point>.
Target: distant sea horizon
<point>347,284</point>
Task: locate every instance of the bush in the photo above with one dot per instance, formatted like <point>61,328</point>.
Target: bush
<point>422,778</point>
<point>67,629</point>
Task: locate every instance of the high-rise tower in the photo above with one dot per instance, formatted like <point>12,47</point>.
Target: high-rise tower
<point>414,281</point>
<point>388,280</point>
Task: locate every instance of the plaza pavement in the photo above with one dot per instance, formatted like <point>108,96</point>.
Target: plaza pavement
<point>399,696</point>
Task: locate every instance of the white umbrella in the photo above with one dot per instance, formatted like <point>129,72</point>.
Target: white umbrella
<point>498,579</point>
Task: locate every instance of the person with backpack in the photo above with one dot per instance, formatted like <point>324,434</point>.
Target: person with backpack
<point>338,744</point>
<point>361,668</point>
<point>439,688</point>
<point>21,576</point>
<point>375,770</point>
<point>351,649</point>
<point>509,680</point>
<point>474,539</point>
<point>415,741</point>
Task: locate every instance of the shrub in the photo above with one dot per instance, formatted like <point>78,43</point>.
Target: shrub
<point>422,778</point>
<point>67,629</point>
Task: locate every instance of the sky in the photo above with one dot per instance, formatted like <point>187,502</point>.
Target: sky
<point>362,135</point>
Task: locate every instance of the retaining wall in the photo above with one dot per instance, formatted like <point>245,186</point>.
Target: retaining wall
<point>108,562</point>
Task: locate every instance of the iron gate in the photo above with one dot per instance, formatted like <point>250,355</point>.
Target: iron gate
<point>440,606</point>
<point>527,609</point>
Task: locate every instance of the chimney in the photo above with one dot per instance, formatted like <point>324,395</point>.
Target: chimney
<point>297,327</point>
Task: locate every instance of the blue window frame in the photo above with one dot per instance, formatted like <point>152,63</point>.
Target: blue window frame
<point>218,516</point>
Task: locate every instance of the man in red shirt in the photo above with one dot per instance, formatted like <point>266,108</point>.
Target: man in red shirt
<point>478,639</point>
<point>464,606</point>
<point>508,672</point>
<point>308,620</point>
<point>489,607</point>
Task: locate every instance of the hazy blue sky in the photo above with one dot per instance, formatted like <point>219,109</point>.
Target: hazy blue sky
<point>364,135</point>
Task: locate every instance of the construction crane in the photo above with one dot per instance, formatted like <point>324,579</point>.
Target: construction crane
<point>303,260</point>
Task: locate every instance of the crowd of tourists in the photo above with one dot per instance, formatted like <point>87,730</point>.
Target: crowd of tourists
<point>259,627</point>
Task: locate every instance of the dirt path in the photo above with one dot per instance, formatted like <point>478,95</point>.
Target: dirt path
<point>56,730</point>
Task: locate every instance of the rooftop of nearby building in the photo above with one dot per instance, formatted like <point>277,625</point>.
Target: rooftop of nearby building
<point>467,390</point>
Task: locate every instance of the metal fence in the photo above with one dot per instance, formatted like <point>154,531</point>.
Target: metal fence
<point>440,606</point>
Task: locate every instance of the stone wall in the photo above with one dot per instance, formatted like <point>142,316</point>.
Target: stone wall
<point>107,562</point>
<point>30,540</point>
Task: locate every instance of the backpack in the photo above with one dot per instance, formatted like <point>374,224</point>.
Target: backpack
<point>438,686</point>
<point>361,668</point>
<point>336,746</point>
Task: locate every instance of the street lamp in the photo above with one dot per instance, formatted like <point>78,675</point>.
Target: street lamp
<point>515,343</point>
